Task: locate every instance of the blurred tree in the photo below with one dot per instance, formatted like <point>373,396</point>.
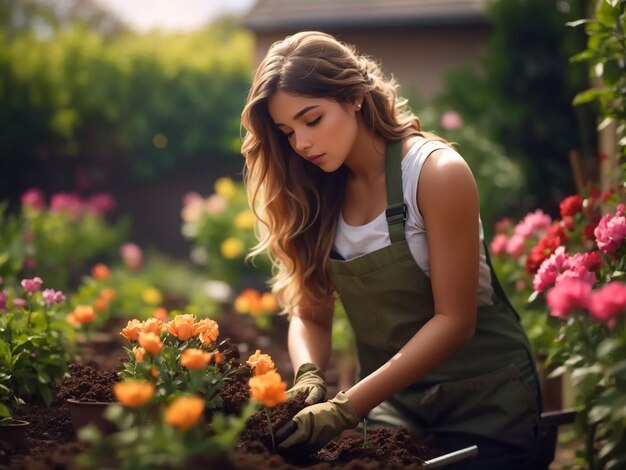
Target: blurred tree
<point>523,97</point>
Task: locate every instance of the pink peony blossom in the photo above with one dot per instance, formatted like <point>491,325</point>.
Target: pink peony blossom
<point>34,198</point>
<point>32,285</point>
<point>132,255</point>
<point>503,225</point>
<point>3,300</point>
<point>451,120</point>
<point>53,297</point>
<point>515,246</point>
<point>610,232</point>
<point>67,202</point>
<point>19,302</point>
<point>100,204</point>
<point>498,244</point>
<point>568,295</point>
<point>549,270</point>
<point>532,223</point>
<point>608,302</point>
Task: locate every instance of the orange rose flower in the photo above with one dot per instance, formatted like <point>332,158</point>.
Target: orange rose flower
<point>101,272</point>
<point>182,326</point>
<point>133,393</point>
<point>108,293</point>
<point>140,353</point>
<point>260,363</point>
<point>208,330</point>
<point>194,358</point>
<point>268,389</point>
<point>132,330</point>
<point>150,342</point>
<point>153,325</point>
<point>160,313</point>
<point>81,314</point>
<point>184,412</point>
<point>249,301</point>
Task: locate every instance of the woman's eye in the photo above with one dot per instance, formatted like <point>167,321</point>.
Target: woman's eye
<point>314,122</point>
<point>289,134</point>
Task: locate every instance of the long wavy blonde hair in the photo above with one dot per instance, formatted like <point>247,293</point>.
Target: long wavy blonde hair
<point>296,203</point>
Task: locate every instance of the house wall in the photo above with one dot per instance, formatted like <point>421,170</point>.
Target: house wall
<point>418,57</point>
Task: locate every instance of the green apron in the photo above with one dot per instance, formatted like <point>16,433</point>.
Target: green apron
<point>488,387</point>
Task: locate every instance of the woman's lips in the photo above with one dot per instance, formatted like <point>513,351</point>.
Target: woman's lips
<point>317,159</point>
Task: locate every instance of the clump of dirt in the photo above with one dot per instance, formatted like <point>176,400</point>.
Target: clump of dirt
<point>88,382</point>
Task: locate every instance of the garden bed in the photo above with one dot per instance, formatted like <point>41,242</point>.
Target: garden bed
<point>52,443</point>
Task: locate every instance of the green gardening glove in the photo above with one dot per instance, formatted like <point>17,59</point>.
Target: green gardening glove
<point>316,425</point>
<point>310,380</point>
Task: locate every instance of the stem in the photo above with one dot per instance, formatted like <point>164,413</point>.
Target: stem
<point>269,425</point>
<point>591,432</point>
<point>364,433</point>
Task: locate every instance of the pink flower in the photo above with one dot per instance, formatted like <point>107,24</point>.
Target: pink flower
<point>100,204</point>
<point>3,300</point>
<point>608,302</point>
<point>34,198</point>
<point>568,295</point>
<point>451,120</point>
<point>19,302</point>
<point>549,270</point>
<point>132,255</point>
<point>53,297</point>
<point>503,225</point>
<point>67,202</point>
<point>610,232</point>
<point>515,246</point>
<point>32,285</point>
<point>532,223</point>
<point>498,244</point>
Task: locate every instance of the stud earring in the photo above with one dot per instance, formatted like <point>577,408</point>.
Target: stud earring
<point>358,107</point>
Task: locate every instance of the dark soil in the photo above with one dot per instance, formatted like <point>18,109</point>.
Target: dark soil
<point>51,443</point>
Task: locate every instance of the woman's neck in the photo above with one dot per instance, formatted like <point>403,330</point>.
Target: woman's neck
<point>366,160</point>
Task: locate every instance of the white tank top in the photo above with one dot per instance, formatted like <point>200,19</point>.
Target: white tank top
<point>352,241</point>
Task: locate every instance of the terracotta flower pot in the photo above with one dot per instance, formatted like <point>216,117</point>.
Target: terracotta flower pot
<point>14,432</point>
<point>83,413</point>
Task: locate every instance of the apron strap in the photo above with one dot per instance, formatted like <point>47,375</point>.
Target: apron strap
<point>495,283</point>
<point>396,212</point>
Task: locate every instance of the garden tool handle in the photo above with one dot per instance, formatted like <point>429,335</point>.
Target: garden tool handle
<point>452,457</point>
<point>285,431</point>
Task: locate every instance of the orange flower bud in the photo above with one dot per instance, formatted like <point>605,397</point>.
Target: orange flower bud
<point>184,412</point>
<point>82,314</point>
<point>160,313</point>
<point>268,302</point>
<point>208,330</point>
<point>133,393</point>
<point>182,326</point>
<point>101,304</point>
<point>153,325</point>
<point>194,358</point>
<point>150,342</point>
<point>217,357</point>
<point>260,363</point>
<point>154,372</point>
<point>140,353</point>
<point>101,272</point>
<point>268,389</point>
<point>132,330</point>
<point>108,293</point>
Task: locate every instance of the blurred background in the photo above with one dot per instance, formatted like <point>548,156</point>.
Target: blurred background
<point>141,100</point>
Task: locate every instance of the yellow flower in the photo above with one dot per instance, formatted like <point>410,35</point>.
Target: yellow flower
<point>132,330</point>
<point>245,220</point>
<point>194,358</point>
<point>152,296</point>
<point>268,389</point>
<point>182,326</point>
<point>260,363</point>
<point>150,342</point>
<point>184,412</point>
<point>225,187</point>
<point>268,302</point>
<point>232,248</point>
<point>133,393</point>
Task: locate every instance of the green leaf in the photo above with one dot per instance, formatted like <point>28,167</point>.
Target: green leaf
<point>599,413</point>
<point>4,411</point>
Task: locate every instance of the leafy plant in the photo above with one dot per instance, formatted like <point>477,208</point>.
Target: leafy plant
<point>36,344</point>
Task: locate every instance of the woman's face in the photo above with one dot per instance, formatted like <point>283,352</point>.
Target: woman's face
<point>320,130</point>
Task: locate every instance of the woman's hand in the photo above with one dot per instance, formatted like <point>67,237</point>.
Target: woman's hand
<point>316,425</point>
<point>310,380</point>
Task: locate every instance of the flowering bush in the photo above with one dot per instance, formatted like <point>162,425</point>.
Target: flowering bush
<point>36,343</point>
<point>58,239</point>
<point>261,306</point>
<point>221,228</point>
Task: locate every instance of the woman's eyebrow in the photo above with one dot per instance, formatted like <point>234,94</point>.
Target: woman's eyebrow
<point>299,113</point>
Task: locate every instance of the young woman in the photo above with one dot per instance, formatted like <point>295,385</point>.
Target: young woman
<point>354,199</point>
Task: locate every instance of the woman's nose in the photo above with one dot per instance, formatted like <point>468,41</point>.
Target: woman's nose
<point>302,143</point>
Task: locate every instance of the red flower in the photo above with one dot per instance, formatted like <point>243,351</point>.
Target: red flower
<point>554,238</point>
<point>571,205</point>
